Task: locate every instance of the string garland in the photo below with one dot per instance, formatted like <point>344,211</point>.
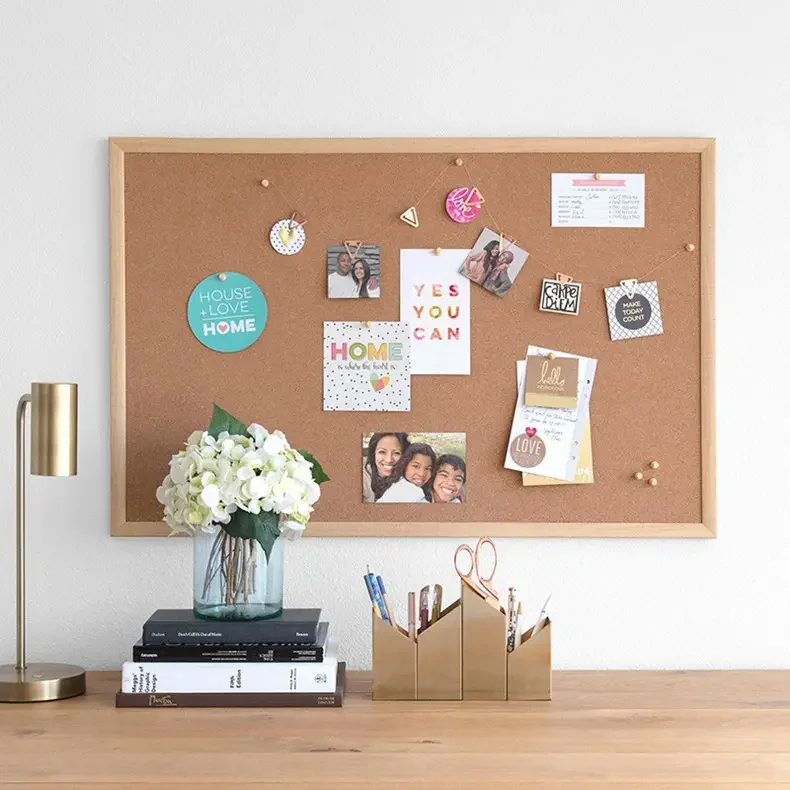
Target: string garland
<point>553,270</point>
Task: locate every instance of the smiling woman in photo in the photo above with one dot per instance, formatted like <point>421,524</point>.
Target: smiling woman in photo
<point>367,285</point>
<point>448,481</point>
<point>384,452</point>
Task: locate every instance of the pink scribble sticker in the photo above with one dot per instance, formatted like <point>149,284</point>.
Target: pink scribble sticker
<point>463,204</point>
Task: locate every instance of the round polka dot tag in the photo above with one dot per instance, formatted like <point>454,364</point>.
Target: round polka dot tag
<point>287,237</point>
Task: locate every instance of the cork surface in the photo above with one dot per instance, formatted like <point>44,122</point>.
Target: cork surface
<point>192,215</point>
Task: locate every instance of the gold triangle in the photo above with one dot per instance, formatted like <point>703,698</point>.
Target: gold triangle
<point>410,217</point>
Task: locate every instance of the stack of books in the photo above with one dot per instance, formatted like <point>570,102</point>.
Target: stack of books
<point>185,661</point>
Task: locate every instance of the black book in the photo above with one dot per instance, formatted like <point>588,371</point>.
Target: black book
<point>238,699</point>
<point>183,627</point>
<point>275,653</point>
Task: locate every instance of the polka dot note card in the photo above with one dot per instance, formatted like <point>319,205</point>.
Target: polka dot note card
<point>367,368</point>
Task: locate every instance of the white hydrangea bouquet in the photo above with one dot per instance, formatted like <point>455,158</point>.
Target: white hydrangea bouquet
<point>241,483</point>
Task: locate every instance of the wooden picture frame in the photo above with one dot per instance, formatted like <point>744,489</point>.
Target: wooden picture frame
<point>119,147</point>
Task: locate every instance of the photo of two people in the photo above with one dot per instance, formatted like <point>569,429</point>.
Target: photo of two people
<point>353,273</point>
<point>494,262</point>
<point>418,468</point>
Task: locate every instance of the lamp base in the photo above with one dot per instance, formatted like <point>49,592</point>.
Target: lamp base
<point>40,682</point>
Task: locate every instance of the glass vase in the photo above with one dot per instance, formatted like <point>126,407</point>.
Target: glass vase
<point>234,580</point>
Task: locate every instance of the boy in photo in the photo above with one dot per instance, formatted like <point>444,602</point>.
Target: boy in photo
<point>449,479</point>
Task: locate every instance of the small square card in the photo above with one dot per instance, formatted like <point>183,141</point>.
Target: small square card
<point>494,262</point>
<point>552,382</point>
<point>557,296</point>
<point>633,310</point>
<point>353,271</point>
<point>366,368</point>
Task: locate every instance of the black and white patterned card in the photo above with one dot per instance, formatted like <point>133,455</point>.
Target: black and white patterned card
<point>560,297</point>
<point>367,368</point>
<point>634,310</point>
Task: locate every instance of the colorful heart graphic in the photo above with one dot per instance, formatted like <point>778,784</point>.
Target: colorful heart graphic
<point>288,235</point>
<point>379,383</point>
<point>223,327</point>
<point>531,431</point>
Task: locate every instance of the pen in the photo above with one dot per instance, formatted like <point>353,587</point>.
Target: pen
<point>375,596</point>
<point>539,624</point>
<point>511,619</point>
<point>437,602</point>
<point>412,628</point>
<point>383,592</point>
<point>424,596</point>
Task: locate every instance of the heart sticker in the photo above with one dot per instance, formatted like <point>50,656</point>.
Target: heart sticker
<point>223,327</point>
<point>379,383</point>
<point>531,431</point>
<point>287,237</point>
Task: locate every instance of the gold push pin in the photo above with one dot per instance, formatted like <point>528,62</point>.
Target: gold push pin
<point>265,182</point>
<point>638,476</point>
<point>690,247</point>
<point>653,482</point>
<point>459,161</point>
<point>597,176</point>
<point>654,464</point>
<point>222,276</point>
<point>368,324</point>
<point>552,355</point>
<point>437,250</point>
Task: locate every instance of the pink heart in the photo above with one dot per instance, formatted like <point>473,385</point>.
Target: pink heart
<point>222,327</point>
<point>531,432</point>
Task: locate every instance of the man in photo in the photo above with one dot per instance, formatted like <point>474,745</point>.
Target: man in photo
<point>341,282</point>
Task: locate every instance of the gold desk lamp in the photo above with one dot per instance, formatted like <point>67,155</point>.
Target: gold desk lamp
<point>53,445</point>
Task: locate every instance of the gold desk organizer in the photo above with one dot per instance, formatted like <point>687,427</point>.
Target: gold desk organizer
<point>461,655</point>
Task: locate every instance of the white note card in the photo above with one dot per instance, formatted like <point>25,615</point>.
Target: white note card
<point>614,200</point>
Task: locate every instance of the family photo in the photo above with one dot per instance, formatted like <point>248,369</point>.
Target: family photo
<point>353,272</point>
<point>494,262</point>
<point>417,468</point>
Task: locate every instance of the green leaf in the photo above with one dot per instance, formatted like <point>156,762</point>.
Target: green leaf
<point>263,527</point>
<point>222,421</point>
<point>319,475</point>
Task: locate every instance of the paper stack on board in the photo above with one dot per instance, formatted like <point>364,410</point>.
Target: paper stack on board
<point>550,439</point>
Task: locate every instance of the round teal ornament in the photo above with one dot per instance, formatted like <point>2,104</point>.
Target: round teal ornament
<point>227,312</point>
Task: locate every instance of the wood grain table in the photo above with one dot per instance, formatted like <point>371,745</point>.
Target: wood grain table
<point>679,730</point>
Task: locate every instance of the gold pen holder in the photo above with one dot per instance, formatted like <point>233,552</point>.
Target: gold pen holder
<point>529,666</point>
<point>439,656</point>
<point>394,662</point>
<point>484,650</point>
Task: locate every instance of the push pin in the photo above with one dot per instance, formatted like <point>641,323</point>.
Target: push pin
<point>552,355</point>
<point>437,250</point>
<point>597,176</point>
<point>653,482</point>
<point>265,182</point>
<point>654,464</point>
<point>459,161</point>
<point>638,476</point>
<point>222,276</point>
<point>368,324</point>
<point>690,247</point>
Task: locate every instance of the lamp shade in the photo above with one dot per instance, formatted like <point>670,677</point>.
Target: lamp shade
<point>53,430</point>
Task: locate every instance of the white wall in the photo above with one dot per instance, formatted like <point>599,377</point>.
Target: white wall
<point>73,73</point>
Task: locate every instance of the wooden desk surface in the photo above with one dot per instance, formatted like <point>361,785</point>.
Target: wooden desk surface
<point>678,730</point>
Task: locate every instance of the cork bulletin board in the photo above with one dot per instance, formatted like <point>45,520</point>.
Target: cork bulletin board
<point>183,209</point>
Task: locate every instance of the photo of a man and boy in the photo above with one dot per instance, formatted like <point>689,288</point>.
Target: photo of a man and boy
<point>414,468</point>
<point>353,273</point>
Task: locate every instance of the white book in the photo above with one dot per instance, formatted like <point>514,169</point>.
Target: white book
<point>231,676</point>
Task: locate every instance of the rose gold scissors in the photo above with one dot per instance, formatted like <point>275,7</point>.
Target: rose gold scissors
<point>482,583</point>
